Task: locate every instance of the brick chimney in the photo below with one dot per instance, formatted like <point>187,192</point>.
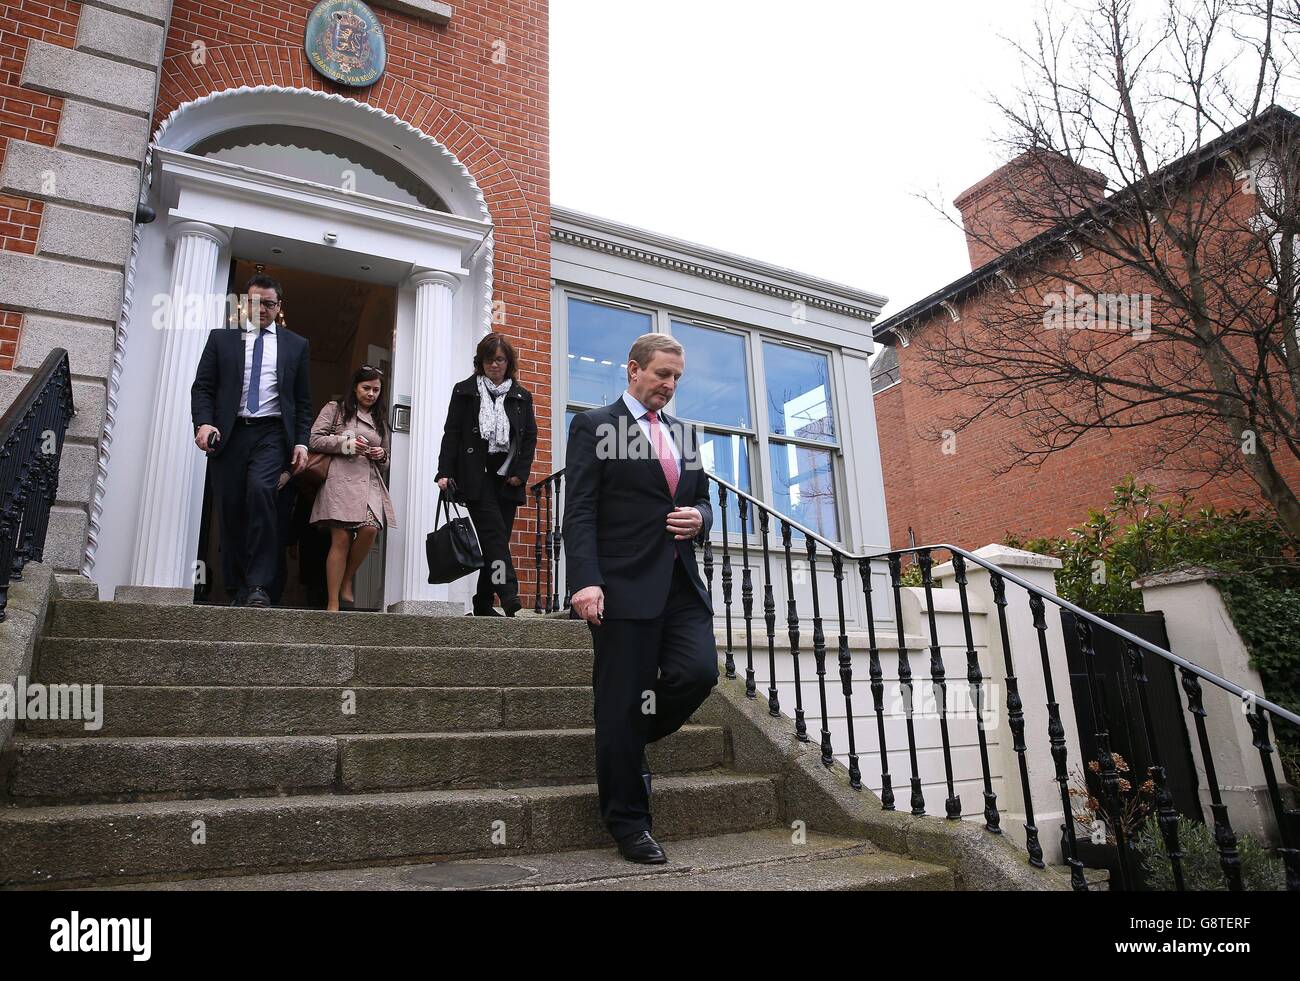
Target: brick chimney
<point>1029,195</point>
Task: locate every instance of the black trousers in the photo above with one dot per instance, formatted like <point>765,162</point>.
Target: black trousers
<point>649,677</point>
<point>494,520</point>
<point>244,478</point>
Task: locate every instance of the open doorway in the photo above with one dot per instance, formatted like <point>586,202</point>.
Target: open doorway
<point>348,323</point>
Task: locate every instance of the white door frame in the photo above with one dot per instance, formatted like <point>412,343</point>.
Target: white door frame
<point>421,250</point>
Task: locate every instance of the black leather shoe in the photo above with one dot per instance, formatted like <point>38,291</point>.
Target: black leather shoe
<point>257,598</point>
<point>642,848</point>
<point>489,612</point>
<point>511,606</point>
<point>241,597</point>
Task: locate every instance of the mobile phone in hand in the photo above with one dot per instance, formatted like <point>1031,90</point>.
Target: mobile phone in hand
<point>214,439</point>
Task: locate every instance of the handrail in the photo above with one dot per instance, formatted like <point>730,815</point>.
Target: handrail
<point>1092,618</point>
<point>548,552</point>
<point>1095,620</point>
<point>29,465</point>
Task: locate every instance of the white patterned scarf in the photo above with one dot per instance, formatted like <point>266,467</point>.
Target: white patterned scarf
<point>493,425</point>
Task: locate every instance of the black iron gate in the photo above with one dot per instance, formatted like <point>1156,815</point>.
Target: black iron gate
<point>1124,710</point>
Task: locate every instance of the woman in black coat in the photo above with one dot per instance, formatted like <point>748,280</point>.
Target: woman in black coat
<point>487,453</point>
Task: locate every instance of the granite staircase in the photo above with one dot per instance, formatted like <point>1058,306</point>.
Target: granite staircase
<point>301,750</point>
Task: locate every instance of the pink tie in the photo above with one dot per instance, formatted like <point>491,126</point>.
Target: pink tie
<point>665,454</point>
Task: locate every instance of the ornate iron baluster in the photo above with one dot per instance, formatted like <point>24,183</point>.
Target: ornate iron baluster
<point>819,654</point>
<point>1288,851</point>
<point>708,563</point>
<point>559,548</point>
<point>1056,737</point>
<point>1016,720</point>
<point>747,600</point>
<point>769,616</point>
<point>551,605</point>
<point>1166,816</point>
<point>938,679</point>
<point>1110,778</point>
<point>792,625</point>
<point>975,679</point>
<point>846,672</point>
<point>730,659</point>
<point>1224,837</point>
<point>537,550</point>
<point>905,679</point>
<point>877,688</point>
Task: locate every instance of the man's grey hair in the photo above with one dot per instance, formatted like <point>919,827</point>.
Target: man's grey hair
<point>646,346</point>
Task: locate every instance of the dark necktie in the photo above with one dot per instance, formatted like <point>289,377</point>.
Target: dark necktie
<point>255,376</point>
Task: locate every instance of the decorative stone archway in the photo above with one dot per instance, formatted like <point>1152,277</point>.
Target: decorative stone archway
<point>455,256</point>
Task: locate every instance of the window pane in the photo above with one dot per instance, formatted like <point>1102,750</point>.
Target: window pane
<point>803,486</point>
<point>599,339</point>
<point>321,157</point>
<point>798,393</point>
<point>715,387</point>
<point>726,456</point>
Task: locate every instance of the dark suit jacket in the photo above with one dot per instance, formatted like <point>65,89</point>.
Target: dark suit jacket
<point>219,383</point>
<point>616,503</point>
<point>464,451</point>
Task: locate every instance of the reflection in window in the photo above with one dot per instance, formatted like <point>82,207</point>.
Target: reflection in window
<point>599,338</point>
<point>803,486</point>
<point>798,393</point>
<point>322,158</point>
<point>715,388</point>
<point>726,455</point>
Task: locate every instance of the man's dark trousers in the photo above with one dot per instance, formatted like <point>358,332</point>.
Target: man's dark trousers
<point>672,656</point>
<point>244,478</point>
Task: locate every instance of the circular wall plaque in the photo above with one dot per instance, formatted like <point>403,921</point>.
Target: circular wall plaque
<point>345,42</point>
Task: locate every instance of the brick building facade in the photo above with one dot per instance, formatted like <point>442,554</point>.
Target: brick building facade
<point>955,489</point>
<point>84,90</point>
<point>154,150</point>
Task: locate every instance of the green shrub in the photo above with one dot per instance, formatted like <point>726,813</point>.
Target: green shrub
<point>1261,869</point>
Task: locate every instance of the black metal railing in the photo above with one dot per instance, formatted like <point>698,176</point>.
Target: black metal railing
<point>31,445</point>
<point>1261,713</point>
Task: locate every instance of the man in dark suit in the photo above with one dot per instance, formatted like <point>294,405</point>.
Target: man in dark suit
<point>251,404</point>
<point>636,496</point>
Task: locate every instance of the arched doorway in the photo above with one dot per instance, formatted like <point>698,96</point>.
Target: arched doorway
<point>244,175</point>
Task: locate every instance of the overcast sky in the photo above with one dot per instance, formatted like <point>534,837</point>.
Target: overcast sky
<point>795,133</point>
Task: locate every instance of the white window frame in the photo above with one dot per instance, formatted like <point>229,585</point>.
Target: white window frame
<point>760,475</point>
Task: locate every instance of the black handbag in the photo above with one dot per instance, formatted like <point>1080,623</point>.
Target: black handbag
<point>452,548</point>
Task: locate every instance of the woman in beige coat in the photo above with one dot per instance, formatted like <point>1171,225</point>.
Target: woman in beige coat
<point>353,502</point>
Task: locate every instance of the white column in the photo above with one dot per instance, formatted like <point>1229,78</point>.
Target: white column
<point>435,363</point>
<point>167,506</point>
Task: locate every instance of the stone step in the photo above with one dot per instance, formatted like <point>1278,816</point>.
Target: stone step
<point>879,872</point>
<point>767,858</point>
<point>145,621</point>
<point>76,660</point>
<point>97,843</point>
<point>306,710</point>
<point>52,771</point>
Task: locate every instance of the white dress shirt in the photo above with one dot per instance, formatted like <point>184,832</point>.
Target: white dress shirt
<point>638,413</point>
<point>269,387</point>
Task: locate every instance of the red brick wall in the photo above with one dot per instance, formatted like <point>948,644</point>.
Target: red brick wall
<point>444,81</point>
<point>961,498</point>
<point>28,116</point>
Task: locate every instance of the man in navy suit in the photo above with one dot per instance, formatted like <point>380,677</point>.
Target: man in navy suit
<point>636,496</point>
<point>251,404</point>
